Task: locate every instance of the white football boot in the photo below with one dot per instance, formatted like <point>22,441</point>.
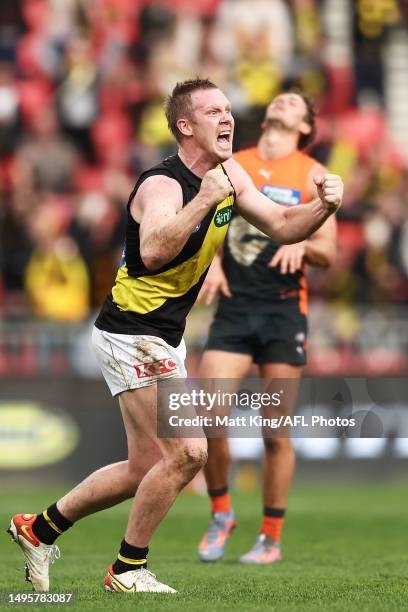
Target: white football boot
<point>135,581</point>
<point>37,555</point>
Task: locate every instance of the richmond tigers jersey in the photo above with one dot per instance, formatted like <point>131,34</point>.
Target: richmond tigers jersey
<point>157,302</point>
<point>247,250</point>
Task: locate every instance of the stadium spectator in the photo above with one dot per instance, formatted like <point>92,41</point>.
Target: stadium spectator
<point>9,110</point>
<point>56,277</point>
<point>45,161</point>
<point>77,95</point>
<point>103,68</point>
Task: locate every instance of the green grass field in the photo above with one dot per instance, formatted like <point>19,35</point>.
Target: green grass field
<point>345,548</point>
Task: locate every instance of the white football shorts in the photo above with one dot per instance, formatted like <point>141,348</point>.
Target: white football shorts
<point>131,362</point>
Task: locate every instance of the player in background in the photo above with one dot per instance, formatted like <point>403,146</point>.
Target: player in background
<point>174,228</point>
<point>261,314</point>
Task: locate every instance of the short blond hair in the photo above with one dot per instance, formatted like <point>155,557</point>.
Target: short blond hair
<point>178,103</point>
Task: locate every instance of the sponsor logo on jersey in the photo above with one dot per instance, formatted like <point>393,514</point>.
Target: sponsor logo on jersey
<point>155,368</point>
<point>282,195</point>
<point>223,216</point>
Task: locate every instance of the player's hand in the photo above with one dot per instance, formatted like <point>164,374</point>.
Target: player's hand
<point>215,282</point>
<point>215,186</point>
<point>289,257</point>
<point>330,190</point>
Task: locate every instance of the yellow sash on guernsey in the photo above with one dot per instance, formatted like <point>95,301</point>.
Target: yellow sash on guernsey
<point>147,293</point>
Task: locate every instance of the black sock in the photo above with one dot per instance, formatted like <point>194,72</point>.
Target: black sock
<point>50,524</point>
<point>274,512</point>
<point>130,558</point>
<point>218,492</point>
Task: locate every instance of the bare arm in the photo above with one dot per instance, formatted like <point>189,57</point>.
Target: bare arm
<point>165,225</point>
<point>286,225</point>
<point>321,247</point>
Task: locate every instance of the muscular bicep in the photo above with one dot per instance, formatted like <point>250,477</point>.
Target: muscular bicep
<point>255,207</point>
<point>157,201</point>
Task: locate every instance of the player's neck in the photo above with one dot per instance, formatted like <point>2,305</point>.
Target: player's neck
<point>275,143</point>
<point>196,161</point>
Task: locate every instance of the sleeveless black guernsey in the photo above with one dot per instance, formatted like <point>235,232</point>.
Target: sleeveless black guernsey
<point>156,303</point>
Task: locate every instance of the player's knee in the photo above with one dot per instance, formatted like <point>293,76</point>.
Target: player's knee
<point>278,445</point>
<point>191,458</point>
<point>195,456</point>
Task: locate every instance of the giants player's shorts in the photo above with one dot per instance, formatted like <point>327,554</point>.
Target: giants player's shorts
<point>130,362</point>
<point>276,333</point>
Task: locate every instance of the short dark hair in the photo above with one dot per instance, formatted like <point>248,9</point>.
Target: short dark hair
<point>178,103</point>
<point>311,113</point>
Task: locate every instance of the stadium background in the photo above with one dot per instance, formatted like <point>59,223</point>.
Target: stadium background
<point>81,91</point>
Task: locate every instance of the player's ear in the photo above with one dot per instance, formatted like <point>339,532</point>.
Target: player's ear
<point>305,128</point>
<point>185,127</point>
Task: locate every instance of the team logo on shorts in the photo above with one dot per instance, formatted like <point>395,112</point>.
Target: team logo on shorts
<point>300,337</point>
<point>223,216</point>
<point>155,368</point>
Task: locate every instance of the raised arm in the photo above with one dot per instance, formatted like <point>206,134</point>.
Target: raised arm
<point>321,247</point>
<point>283,224</point>
<point>165,225</point>
<point>317,250</point>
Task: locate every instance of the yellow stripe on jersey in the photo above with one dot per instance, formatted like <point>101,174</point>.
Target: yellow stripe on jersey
<point>147,293</point>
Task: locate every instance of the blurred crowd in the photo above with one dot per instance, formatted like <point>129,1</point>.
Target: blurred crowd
<point>82,84</point>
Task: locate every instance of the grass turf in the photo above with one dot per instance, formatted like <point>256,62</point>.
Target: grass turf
<point>345,549</point>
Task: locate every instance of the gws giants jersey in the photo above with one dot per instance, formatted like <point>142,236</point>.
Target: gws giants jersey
<point>247,250</point>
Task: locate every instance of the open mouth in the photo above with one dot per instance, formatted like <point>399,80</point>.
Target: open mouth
<point>224,137</point>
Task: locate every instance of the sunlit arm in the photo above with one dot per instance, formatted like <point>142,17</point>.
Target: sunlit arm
<point>165,225</point>
<point>321,247</point>
<point>283,224</point>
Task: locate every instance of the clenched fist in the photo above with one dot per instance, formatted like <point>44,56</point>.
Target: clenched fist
<point>330,190</point>
<point>215,186</point>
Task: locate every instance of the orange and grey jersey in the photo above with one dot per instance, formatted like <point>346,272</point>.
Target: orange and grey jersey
<point>248,251</point>
<point>157,302</point>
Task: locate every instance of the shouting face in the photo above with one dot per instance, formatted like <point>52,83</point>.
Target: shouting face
<point>210,124</point>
